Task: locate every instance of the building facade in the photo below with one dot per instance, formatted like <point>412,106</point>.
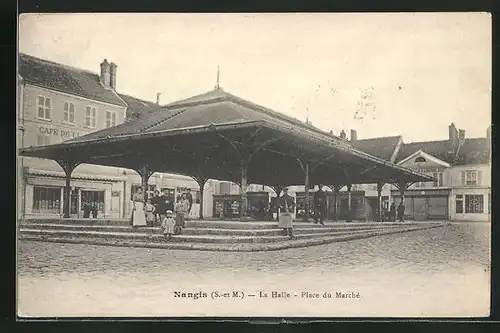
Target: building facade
<point>461,166</point>
<point>57,103</point>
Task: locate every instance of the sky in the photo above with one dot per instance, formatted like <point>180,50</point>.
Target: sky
<point>380,74</point>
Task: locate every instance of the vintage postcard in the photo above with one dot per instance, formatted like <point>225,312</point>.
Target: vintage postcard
<point>254,165</point>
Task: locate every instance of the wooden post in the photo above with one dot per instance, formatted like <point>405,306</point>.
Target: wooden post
<point>349,208</point>
<point>243,190</point>
<point>336,190</point>
<point>379,201</point>
<point>306,192</point>
<point>67,196</point>
<point>144,172</point>
<point>402,188</point>
<point>68,166</point>
<point>201,183</point>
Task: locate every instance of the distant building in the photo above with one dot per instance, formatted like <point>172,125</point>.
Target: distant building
<point>461,167</point>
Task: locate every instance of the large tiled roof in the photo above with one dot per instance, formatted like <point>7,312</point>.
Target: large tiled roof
<point>219,95</point>
<point>215,107</point>
<point>138,107</point>
<point>66,79</point>
<point>383,147</point>
<point>472,151</point>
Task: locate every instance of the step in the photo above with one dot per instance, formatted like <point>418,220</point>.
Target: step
<point>194,231</point>
<point>241,247</point>
<point>81,227</point>
<point>186,237</point>
<point>77,221</point>
<point>274,224</point>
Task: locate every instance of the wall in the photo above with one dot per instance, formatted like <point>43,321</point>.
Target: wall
<point>485,182</point>
<point>20,143</point>
<point>59,131</point>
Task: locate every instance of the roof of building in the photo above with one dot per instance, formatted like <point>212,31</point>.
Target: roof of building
<point>382,147</point>
<point>472,151</point>
<point>215,107</point>
<point>218,94</point>
<point>70,80</point>
<point>138,107</point>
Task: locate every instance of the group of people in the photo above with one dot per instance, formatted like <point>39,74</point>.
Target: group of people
<point>286,205</point>
<point>394,214</point>
<point>162,211</point>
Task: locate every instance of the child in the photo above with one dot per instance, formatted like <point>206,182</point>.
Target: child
<point>150,217</point>
<point>181,210</point>
<point>168,224</point>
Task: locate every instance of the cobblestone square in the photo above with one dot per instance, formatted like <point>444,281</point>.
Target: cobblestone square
<point>433,272</point>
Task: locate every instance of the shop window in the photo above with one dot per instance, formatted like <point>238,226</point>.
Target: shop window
<point>459,204</point>
<point>44,106</point>
<point>69,113</point>
<point>90,116</point>
<point>94,199</point>
<point>474,203</point>
<point>46,200</point>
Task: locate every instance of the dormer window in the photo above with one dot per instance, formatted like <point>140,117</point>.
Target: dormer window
<point>420,159</point>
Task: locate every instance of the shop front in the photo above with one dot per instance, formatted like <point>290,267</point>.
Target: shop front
<point>227,206</point>
<point>89,197</point>
<point>423,205</point>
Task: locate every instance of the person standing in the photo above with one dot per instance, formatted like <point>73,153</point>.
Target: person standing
<point>319,205</point>
<point>392,213</point>
<point>154,201</point>
<point>138,214</point>
<point>167,225</point>
<point>181,210</point>
<point>286,208</point>
<point>163,205</point>
<point>149,213</point>
<point>189,197</point>
<point>401,212</point>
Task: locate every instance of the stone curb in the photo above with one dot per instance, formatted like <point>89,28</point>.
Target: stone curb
<point>247,247</point>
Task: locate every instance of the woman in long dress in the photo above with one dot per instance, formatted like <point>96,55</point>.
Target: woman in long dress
<point>286,207</point>
<point>138,214</point>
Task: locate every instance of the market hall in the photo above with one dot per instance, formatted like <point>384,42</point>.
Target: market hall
<point>218,135</point>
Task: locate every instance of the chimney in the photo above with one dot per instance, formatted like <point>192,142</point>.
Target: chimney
<point>452,134</point>
<point>461,135</point>
<point>342,134</point>
<point>354,135</point>
<point>331,132</point>
<point>105,73</point>
<point>112,75</point>
<point>158,98</point>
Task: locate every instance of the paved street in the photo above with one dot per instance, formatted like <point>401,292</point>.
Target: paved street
<point>433,272</point>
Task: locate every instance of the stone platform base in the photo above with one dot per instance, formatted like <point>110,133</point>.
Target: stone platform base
<point>208,235</point>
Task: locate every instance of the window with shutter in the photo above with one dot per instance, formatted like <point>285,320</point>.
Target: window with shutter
<point>462,177</point>
<point>479,177</point>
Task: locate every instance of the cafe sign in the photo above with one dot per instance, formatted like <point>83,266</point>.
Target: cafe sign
<point>65,134</point>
